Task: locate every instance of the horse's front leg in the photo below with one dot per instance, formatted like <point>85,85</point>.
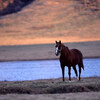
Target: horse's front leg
<point>63,72</point>
<point>69,72</point>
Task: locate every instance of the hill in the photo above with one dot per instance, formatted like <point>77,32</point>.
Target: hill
<point>44,21</point>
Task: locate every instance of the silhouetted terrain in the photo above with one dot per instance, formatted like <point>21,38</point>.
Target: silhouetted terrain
<point>12,6</point>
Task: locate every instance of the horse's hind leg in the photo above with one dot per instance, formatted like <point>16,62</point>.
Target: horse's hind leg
<point>75,70</point>
<point>79,71</point>
<point>69,72</point>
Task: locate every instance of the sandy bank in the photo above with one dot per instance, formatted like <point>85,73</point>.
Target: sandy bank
<point>70,96</point>
<point>46,51</point>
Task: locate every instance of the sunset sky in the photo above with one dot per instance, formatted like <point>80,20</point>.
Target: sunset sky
<point>45,21</point>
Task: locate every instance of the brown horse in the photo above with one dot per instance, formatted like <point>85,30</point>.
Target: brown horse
<point>69,58</point>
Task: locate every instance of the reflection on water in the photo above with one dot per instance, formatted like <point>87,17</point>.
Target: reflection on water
<point>32,70</point>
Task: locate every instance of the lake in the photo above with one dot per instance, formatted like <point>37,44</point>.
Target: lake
<point>44,69</point>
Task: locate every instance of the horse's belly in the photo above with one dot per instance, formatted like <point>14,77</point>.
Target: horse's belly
<point>72,62</point>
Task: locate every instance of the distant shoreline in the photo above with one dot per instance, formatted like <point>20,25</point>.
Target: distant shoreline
<point>76,42</point>
<point>97,57</point>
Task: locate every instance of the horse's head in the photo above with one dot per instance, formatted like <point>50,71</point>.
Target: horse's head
<point>58,48</point>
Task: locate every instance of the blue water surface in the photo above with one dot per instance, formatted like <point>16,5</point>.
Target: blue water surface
<point>45,69</point>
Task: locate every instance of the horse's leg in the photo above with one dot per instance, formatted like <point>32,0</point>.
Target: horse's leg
<point>79,72</point>
<point>63,71</point>
<point>69,72</point>
<point>75,70</point>
<point>82,65</point>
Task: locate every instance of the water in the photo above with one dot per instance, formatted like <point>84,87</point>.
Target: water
<point>33,70</point>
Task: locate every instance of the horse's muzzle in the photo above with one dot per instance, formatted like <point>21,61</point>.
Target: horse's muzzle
<point>56,54</point>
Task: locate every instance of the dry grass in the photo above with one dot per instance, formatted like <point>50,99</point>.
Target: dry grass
<point>93,5</point>
<point>51,89</point>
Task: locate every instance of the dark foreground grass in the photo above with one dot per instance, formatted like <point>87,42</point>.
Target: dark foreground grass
<point>50,86</point>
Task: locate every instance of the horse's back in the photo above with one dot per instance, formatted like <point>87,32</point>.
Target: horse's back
<point>76,56</point>
<point>77,52</point>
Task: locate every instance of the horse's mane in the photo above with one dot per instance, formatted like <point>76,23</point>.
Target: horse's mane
<point>65,48</point>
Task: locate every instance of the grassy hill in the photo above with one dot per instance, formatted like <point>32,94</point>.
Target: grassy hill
<point>44,21</point>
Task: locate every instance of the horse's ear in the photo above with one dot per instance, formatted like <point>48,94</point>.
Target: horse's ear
<point>56,42</point>
<point>60,41</point>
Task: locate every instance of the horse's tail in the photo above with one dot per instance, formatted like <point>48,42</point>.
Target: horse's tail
<point>82,65</point>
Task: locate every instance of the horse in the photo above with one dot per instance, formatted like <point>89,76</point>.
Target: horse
<point>69,57</point>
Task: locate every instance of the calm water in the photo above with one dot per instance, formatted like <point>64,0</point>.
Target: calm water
<point>32,70</point>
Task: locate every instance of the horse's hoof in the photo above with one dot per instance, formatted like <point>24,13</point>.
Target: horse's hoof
<point>77,78</point>
<point>69,81</point>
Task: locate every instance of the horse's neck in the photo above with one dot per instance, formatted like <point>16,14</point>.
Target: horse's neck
<point>65,51</point>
